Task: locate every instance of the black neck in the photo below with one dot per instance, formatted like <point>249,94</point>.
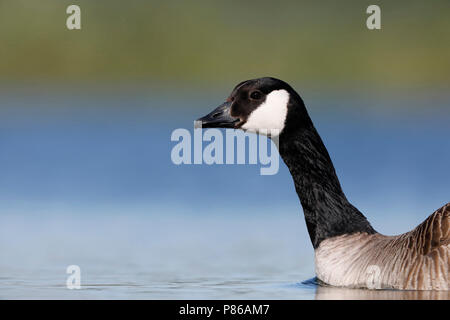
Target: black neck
<point>327,211</point>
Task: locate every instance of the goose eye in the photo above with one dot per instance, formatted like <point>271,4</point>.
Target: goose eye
<point>256,95</point>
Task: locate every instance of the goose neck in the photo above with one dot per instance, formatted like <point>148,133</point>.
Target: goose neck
<point>327,211</point>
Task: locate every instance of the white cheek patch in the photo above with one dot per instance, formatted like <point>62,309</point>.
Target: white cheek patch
<point>270,115</point>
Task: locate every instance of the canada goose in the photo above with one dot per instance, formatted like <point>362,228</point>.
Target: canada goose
<point>348,251</point>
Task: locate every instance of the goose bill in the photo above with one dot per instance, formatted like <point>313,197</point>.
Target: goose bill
<point>218,118</point>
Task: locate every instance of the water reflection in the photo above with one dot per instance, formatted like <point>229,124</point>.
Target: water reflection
<point>332,293</point>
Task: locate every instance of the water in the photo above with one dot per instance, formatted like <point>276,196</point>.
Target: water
<point>87,180</point>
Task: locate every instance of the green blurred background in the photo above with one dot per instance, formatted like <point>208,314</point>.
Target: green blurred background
<point>195,43</point>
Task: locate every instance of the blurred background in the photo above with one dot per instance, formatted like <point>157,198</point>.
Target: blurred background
<point>86,118</point>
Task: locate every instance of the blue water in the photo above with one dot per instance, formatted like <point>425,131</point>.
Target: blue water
<point>87,179</point>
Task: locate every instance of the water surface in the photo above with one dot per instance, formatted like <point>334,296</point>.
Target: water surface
<point>86,181</point>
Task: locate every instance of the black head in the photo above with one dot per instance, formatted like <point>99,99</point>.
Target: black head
<point>257,105</point>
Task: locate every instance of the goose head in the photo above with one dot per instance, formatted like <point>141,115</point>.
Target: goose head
<point>259,105</point>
